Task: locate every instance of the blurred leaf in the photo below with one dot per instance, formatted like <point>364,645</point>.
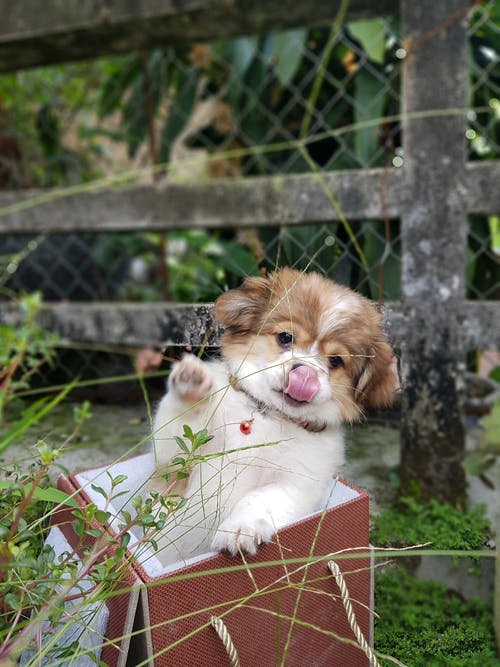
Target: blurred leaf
<point>238,260</point>
<point>477,463</point>
<point>371,95</point>
<point>491,426</point>
<point>121,76</point>
<point>256,121</point>
<point>494,225</point>
<point>374,249</point>
<point>47,124</point>
<point>180,111</point>
<point>371,34</point>
<point>134,116</point>
<point>135,109</point>
<point>237,54</point>
<point>288,51</point>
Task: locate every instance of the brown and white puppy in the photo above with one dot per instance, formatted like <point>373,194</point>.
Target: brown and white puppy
<point>301,356</point>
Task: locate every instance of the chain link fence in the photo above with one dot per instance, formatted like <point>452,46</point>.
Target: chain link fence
<point>235,108</point>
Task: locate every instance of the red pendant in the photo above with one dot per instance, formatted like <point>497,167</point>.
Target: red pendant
<point>246,426</point>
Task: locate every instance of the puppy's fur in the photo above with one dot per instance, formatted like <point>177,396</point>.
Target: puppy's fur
<point>301,356</point>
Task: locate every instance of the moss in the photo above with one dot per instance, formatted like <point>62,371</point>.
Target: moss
<point>423,624</point>
<point>438,523</point>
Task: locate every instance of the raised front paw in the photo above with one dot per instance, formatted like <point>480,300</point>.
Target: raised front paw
<point>190,379</point>
<point>235,536</point>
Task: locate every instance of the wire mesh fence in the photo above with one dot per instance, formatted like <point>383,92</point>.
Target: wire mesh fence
<point>298,101</point>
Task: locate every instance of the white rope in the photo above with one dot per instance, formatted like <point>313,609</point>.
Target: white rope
<point>351,617</point>
<point>220,628</point>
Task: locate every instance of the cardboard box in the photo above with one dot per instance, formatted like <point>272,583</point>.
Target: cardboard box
<point>283,607</point>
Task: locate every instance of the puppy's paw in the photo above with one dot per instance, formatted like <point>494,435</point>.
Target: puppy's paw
<point>235,536</point>
<point>190,379</point>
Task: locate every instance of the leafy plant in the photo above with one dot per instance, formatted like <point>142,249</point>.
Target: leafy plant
<point>40,590</point>
<point>194,264</point>
<point>28,574</point>
<point>24,349</point>
<point>39,109</point>
<point>35,587</point>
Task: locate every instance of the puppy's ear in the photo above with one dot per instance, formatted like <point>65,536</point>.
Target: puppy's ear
<point>378,381</point>
<point>241,310</point>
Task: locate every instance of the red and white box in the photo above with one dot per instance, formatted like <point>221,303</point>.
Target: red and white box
<point>281,607</point>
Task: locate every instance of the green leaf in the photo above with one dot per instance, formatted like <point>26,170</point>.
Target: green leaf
<point>101,516</point>
<point>288,51</point>
<point>99,490</point>
<point>371,34</point>
<point>124,540</point>
<point>201,438</point>
<point>119,479</point>
<point>53,495</point>
<point>119,554</point>
<point>12,600</point>
<point>94,532</point>
<point>78,528</point>
<point>182,445</point>
<point>47,453</point>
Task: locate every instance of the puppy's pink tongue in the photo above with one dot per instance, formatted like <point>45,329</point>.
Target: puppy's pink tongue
<point>303,383</point>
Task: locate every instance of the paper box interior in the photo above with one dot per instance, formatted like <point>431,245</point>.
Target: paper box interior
<point>282,606</point>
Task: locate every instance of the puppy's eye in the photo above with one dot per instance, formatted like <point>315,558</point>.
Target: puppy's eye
<point>284,338</point>
<point>335,362</point>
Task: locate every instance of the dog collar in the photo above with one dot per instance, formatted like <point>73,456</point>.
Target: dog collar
<point>263,409</point>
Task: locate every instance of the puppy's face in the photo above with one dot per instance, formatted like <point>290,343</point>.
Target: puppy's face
<point>306,346</point>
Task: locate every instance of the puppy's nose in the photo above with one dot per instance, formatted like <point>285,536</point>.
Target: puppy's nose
<point>303,383</point>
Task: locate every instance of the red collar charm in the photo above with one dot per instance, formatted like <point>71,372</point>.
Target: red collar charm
<point>246,426</point>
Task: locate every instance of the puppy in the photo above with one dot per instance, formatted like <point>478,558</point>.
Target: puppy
<point>301,356</point>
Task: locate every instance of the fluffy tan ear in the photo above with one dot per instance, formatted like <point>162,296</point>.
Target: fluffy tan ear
<point>241,310</point>
<point>378,381</point>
